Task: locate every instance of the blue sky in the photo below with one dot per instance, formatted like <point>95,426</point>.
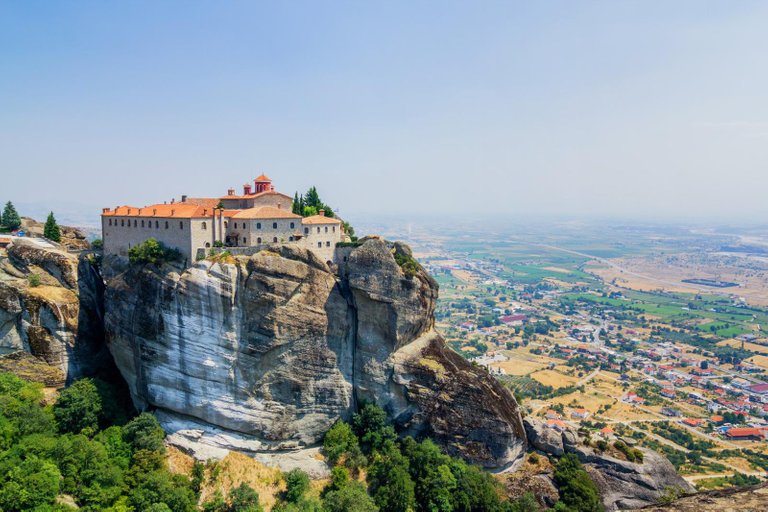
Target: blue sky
<point>616,108</point>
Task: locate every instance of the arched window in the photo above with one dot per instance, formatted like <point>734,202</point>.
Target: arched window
<point>258,225</point>
<point>243,239</point>
<point>166,224</point>
<point>204,225</point>
<point>142,222</point>
<point>318,229</point>
<point>258,240</point>
<point>293,225</point>
<point>306,231</point>
<point>226,224</point>
<point>326,229</point>
<point>207,244</point>
<point>274,240</point>
<point>181,225</point>
<point>110,222</point>
<point>274,225</point>
<point>334,229</point>
<point>157,224</point>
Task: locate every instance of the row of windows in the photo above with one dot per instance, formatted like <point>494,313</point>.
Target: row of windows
<point>320,244</point>
<point>244,225</point>
<point>306,230</point>
<point>147,224</point>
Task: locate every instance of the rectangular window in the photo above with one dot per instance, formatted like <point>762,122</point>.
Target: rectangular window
<point>319,245</point>
<point>327,244</point>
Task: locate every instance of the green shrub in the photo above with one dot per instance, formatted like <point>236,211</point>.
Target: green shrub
<point>340,441</point>
<point>409,265</point>
<point>97,244</point>
<point>34,280</point>
<point>296,485</point>
<point>577,490</point>
<point>152,251</point>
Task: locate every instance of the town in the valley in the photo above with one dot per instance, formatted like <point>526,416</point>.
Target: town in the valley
<point>589,339</point>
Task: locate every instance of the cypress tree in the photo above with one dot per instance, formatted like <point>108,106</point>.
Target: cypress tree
<point>11,218</point>
<point>51,230</point>
<point>296,205</point>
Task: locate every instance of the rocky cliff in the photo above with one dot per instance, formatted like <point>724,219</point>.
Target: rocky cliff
<point>51,326</point>
<point>265,353</point>
<point>744,499</point>
<point>622,484</point>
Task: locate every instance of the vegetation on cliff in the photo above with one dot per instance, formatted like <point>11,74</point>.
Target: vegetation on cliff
<point>310,204</point>
<point>152,251</point>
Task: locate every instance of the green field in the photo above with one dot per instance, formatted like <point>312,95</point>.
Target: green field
<point>728,321</point>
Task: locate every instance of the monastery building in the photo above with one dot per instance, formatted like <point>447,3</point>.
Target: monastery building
<point>258,217</point>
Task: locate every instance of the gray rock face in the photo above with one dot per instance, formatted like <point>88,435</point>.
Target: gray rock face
<point>622,484</point>
<point>543,438</point>
<point>279,346</point>
<point>59,321</point>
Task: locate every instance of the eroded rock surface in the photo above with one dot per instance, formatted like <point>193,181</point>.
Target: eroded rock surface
<point>278,346</point>
<point>622,484</point>
<point>51,307</point>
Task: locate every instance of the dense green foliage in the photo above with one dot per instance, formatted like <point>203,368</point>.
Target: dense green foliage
<point>10,218</point>
<point>578,492</point>
<point>77,447</point>
<point>404,474</point>
<point>152,251</point>
<point>51,230</point>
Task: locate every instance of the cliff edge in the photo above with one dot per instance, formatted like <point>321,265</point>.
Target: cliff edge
<point>265,353</point>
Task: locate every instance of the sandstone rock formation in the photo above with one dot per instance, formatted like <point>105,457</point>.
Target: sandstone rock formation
<point>71,238</point>
<point>749,499</point>
<point>622,484</point>
<point>51,308</point>
<point>276,347</point>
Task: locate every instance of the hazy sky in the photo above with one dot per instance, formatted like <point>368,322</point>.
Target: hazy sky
<point>606,108</point>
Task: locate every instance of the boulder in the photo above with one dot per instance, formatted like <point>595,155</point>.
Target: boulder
<point>543,438</point>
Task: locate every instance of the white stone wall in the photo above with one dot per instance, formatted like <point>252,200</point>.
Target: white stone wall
<point>322,239</point>
<point>263,231</point>
<point>126,232</point>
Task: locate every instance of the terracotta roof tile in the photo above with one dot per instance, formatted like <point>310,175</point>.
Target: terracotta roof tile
<point>320,219</point>
<point>172,210</point>
<point>265,212</point>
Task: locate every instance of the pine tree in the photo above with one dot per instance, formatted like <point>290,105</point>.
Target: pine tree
<point>11,219</point>
<point>51,231</point>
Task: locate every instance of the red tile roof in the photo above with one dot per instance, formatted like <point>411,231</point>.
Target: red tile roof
<point>320,219</point>
<point>173,210</point>
<point>265,212</point>
<point>744,432</point>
